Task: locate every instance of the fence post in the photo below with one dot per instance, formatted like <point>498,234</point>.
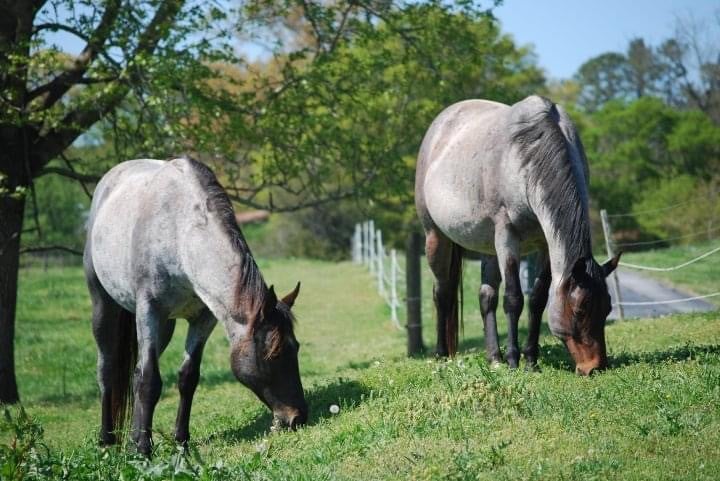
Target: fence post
<point>380,254</point>
<point>412,273</point>
<point>366,238</point>
<point>607,232</point>
<point>394,304</point>
<point>356,245</point>
<point>371,245</point>
<point>362,243</point>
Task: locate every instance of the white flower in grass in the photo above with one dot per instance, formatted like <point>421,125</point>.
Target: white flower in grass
<point>334,409</point>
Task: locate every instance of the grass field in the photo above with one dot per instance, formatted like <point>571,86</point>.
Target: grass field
<point>654,415</point>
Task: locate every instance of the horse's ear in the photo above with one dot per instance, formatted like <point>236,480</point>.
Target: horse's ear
<point>611,265</point>
<point>289,300</point>
<point>270,302</point>
<point>578,270</point>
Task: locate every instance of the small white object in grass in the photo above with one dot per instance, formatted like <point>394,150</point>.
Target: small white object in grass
<point>262,446</point>
<point>334,409</point>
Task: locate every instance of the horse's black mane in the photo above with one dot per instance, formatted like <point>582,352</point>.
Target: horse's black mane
<point>541,142</point>
<point>251,284</point>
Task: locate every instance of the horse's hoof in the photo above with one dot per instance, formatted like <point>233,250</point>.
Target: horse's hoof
<point>107,439</point>
<point>496,364</point>
<point>144,447</point>
<point>532,367</point>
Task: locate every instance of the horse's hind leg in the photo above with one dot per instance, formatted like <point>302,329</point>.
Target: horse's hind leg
<point>199,330</point>
<point>106,329</point>
<point>148,383</point>
<point>489,291</point>
<point>507,246</point>
<point>538,300</point>
<point>438,249</point>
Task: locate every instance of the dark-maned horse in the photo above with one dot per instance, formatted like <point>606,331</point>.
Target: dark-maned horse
<point>505,180</point>
<point>163,243</point>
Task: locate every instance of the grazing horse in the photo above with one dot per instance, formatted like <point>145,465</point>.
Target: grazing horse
<point>502,181</point>
<point>163,243</point>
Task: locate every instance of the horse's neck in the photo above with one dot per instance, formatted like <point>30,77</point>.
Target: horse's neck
<point>218,272</point>
<point>567,240</point>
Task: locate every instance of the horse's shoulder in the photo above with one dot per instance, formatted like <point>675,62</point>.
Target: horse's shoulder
<point>531,107</point>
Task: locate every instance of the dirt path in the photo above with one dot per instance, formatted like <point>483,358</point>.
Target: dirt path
<point>635,287</point>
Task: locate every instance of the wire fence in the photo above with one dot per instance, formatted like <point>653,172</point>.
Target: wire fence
<point>612,246</point>
<point>369,250</point>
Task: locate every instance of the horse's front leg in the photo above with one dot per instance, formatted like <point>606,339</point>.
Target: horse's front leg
<point>198,332</point>
<point>507,246</point>
<point>538,301</point>
<point>148,383</point>
<point>489,293</point>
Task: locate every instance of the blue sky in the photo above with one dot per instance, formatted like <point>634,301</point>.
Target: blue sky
<point>566,33</point>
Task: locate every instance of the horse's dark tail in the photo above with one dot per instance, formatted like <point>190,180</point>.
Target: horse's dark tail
<point>125,359</point>
<point>456,299</point>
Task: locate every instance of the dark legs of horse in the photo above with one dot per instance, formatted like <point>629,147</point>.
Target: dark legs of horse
<point>147,382</point>
<point>438,250</point>
<point>512,305</point>
<point>189,374</point>
<point>488,306</point>
<point>106,331</point>
<point>507,246</point>
<point>538,300</point>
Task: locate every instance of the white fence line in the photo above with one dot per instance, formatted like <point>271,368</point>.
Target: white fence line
<point>607,231</point>
<point>368,249</point>
<point>673,268</point>
<point>671,301</point>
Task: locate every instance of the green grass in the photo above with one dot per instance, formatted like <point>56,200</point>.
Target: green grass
<point>654,415</point>
<point>702,277</point>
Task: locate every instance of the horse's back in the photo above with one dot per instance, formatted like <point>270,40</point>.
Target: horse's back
<point>469,176</point>
<point>133,225</point>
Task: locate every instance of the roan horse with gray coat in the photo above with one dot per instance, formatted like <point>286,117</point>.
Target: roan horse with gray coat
<point>503,181</point>
<point>163,243</point>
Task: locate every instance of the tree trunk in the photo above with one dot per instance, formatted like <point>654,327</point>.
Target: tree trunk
<point>11,220</point>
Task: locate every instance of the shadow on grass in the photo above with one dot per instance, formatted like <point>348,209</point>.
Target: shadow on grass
<point>672,354</point>
<point>556,356</point>
<point>348,394</point>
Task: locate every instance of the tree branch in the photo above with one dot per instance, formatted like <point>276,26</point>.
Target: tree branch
<point>84,116</point>
<point>59,86</point>
<point>71,174</point>
<point>70,250</point>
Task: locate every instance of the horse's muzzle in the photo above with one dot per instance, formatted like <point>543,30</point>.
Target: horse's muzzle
<point>292,418</point>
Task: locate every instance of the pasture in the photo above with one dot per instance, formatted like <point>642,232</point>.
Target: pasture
<point>654,415</point>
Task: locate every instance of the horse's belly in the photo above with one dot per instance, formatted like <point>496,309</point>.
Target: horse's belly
<point>461,217</point>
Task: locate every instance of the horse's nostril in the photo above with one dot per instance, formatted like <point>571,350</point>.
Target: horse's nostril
<point>584,371</point>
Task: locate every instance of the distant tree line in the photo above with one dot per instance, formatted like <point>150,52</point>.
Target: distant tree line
<point>650,120</point>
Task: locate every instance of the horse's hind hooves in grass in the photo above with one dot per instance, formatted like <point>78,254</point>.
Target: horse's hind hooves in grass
<point>532,367</point>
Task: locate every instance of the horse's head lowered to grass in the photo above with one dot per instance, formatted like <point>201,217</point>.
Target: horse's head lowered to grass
<point>266,360</point>
<point>578,311</point>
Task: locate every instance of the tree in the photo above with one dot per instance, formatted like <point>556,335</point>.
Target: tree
<point>684,70</point>
<point>638,150</point>
<point>48,100</point>
<point>336,112</point>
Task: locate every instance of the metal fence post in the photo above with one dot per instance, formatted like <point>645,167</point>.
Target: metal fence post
<point>356,245</point>
<point>371,246</point>
<point>607,232</point>
<point>394,304</point>
<point>380,262</point>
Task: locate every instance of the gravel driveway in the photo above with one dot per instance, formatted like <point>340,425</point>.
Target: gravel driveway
<point>636,287</point>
